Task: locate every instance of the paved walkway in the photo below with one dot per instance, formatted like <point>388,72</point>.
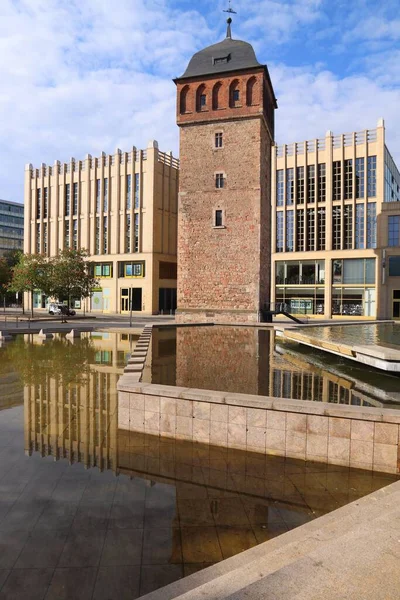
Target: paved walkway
<point>352,553</point>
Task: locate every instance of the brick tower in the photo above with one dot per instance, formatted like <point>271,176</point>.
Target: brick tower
<point>225,111</point>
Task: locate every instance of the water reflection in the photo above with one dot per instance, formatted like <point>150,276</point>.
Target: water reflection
<point>254,361</point>
<point>382,334</point>
<point>175,507</point>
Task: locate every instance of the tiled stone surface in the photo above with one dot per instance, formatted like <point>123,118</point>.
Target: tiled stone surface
<point>318,438</point>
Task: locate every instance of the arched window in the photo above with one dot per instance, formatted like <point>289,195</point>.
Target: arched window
<point>216,96</point>
<point>201,98</point>
<point>251,92</point>
<point>183,99</point>
<point>234,94</point>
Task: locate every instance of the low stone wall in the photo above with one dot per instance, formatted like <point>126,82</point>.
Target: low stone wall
<point>358,437</point>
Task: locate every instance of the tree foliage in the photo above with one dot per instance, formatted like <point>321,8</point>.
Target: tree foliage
<point>32,272</point>
<point>71,275</point>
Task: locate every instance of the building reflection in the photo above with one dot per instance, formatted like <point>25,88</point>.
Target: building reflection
<point>256,361</point>
<point>70,397</point>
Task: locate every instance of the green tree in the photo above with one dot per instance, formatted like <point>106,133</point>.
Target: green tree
<point>32,272</point>
<point>71,275</point>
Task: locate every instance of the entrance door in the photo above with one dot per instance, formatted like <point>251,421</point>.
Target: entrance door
<point>131,295</point>
<point>396,304</point>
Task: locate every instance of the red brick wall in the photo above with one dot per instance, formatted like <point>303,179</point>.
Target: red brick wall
<point>224,270</point>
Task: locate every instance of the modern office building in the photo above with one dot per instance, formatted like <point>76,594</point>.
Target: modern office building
<point>123,210</point>
<point>11,226</point>
<point>336,227</point>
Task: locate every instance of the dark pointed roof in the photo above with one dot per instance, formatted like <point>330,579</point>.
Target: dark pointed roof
<point>228,55</point>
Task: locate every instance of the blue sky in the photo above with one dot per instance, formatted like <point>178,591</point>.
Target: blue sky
<point>93,75</point>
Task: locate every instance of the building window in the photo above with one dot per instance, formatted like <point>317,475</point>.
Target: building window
<point>137,190</point>
<point>300,231</point>
<point>131,269</point>
<point>360,177</point>
<point>311,183</point>
<point>218,140</point>
<point>75,234</point>
<point>105,235</point>
<point>348,179</point>
<point>394,230</point>
<point>360,217</point>
<point>38,238</point>
<point>216,95</point>
<point>336,227</point>
<point>201,98</point>
<point>321,229</point>
<point>45,203</point>
<point>45,245</point>
<point>183,103</point>
<point>136,232</point>
<point>66,234</point>
<point>322,182</point>
<point>105,197</point>
<point>128,192</point>
<point>97,236</point>
<point>337,181</point>
<point>371,225</point>
<point>67,210</point>
<point>300,185</point>
<point>103,270</point>
<point>38,203</point>
<point>310,229</point>
<point>394,266</point>
<point>234,94</point>
<point>348,227</point>
<point>218,218</point>
<point>354,271</point>
<point>219,180</point>
<point>128,234</point>
<point>75,201</point>
<point>371,176</point>
<point>279,187</point>
<point>98,191</point>
<point>289,231</point>
<point>279,231</point>
<point>289,186</point>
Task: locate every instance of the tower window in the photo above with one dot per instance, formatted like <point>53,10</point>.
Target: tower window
<point>219,180</point>
<point>203,100</point>
<point>218,218</point>
<point>218,140</point>
<point>236,95</point>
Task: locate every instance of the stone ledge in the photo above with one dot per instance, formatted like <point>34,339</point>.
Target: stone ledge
<point>386,415</point>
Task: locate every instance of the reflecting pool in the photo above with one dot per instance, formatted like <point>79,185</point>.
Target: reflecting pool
<point>88,510</point>
<point>255,361</point>
<point>381,334</point>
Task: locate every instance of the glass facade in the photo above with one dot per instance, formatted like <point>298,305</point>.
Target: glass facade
<point>98,192</point>
<point>300,231</point>
<point>394,230</point>
<point>300,185</point>
<point>371,225</point>
<point>45,202</point>
<point>360,220</point>
<point>289,186</point>
<point>75,234</point>
<point>67,205</point>
<point>348,179</point>
<point>279,231</point>
<point>348,227</point>
<point>128,245</point>
<point>289,231</point>
<point>336,227</point>
<point>392,179</point>
<point>136,232</point>
<point>279,187</point>
<point>371,176</point>
<point>360,178</point>
<point>299,285</point>
<point>75,199</point>
<point>337,180</point>
<point>105,235</point>
<point>310,229</point>
<point>105,195</point>
<point>137,189</point>
<point>311,183</point>
<point>11,226</point>
<point>128,192</point>
<point>322,182</point>
<point>321,229</point>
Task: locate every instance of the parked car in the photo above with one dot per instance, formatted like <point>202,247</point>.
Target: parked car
<point>56,308</point>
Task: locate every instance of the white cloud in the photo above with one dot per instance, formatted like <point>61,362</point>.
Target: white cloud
<point>89,76</point>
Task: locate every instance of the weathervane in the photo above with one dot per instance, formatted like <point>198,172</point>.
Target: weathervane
<point>229,20</point>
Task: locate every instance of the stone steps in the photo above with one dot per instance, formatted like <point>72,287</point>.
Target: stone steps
<point>271,570</point>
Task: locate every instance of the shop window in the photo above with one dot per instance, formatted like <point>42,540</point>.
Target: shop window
<point>131,269</point>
